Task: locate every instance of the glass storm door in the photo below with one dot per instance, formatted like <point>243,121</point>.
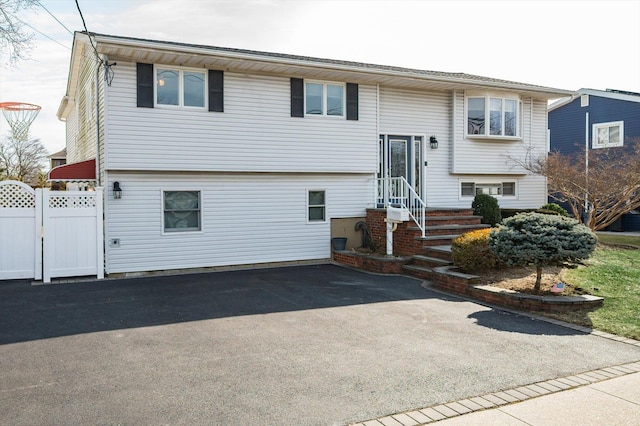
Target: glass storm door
<point>401,156</point>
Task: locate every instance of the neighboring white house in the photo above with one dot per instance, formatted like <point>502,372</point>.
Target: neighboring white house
<point>229,156</point>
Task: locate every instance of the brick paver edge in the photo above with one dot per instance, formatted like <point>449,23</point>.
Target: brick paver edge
<point>599,375</point>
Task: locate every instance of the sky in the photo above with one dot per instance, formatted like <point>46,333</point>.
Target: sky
<point>563,44</point>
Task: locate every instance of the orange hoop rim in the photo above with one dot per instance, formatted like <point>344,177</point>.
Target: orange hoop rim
<point>19,106</point>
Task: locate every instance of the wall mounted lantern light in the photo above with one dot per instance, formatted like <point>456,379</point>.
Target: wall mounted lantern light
<point>117,191</point>
<point>433,142</point>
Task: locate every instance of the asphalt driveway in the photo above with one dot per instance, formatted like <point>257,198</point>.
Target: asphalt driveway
<point>309,345</point>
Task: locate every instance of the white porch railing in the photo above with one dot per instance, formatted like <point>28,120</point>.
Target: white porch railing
<point>397,192</point>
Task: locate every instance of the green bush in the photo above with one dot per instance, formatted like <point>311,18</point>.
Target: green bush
<point>470,251</point>
<point>553,208</point>
<point>487,206</point>
<point>541,240</point>
<point>505,213</point>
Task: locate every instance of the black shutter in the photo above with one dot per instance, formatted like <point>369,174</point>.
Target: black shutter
<point>297,97</point>
<point>145,85</point>
<point>216,91</point>
<point>352,101</point>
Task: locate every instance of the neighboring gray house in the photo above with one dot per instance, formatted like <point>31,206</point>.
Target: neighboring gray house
<point>228,156</point>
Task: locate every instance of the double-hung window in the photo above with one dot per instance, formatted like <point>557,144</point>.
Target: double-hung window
<point>606,135</point>
<point>316,207</point>
<point>324,99</point>
<point>181,211</point>
<point>491,116</point>
<point>181,87</point>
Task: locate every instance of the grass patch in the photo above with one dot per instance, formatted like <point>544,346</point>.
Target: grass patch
<point>618,240</point>
<point>613,272</point>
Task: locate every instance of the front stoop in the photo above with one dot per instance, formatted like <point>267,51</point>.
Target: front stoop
<point>441,227</point>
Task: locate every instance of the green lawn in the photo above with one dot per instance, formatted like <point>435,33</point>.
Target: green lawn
<point>613,272</point>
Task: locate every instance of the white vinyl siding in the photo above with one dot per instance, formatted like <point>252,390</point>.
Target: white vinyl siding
<point>246,219</point>
<point>256,132</point>
<point>404,112</point>
<point>488,156</point>
<point>82,123</point>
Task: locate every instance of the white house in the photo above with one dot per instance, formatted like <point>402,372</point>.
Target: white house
<point>228,156</point>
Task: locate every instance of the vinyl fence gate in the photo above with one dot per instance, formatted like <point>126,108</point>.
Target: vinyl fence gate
<point>49,234</point>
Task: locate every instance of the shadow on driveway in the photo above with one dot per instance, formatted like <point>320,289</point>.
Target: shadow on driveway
<point>38,312</point>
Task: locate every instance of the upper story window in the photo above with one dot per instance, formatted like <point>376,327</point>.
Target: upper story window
<point>324,99</point>
<point>162,85</point>
<point>491,116</point>
<point>607,135</point>
<point>182,88</point>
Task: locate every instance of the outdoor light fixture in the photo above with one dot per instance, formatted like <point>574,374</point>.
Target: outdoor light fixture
<point>117,192</point>
<point>433,142</point>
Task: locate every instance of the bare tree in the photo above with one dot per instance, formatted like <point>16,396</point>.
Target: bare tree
<point>15,39</point>
<point>599,188</point>
<point>22,160</point>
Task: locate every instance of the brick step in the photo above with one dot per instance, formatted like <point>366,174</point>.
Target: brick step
<point>438,240</point>
<point>428,262</point>
<point>419,272</point>
<point>449,212</point>
<point>438,251</point>
<point>452,220</point>
<point>453,229</point>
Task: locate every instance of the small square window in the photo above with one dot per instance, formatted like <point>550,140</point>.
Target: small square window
<point>316,206</point>
<point>181,211</point>
<point>467,189</point>
<point>509,189</point>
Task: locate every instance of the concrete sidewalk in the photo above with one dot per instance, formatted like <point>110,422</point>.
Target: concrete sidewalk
<point>608,396</point>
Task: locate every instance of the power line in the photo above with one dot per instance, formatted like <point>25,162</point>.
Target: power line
<point>57,20</point>
<point>36,30</point>
<point>84,24</point>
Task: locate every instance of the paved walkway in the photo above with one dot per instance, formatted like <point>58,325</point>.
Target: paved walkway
<point>608,396</point>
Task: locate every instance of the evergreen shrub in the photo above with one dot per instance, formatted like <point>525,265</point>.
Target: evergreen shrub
<point>553,208</point>
<point>541,240</point>
<point>470,251</point>
<point>487,206</point>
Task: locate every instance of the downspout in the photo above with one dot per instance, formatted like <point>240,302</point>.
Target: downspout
<point>586,167</point>
<point>454,108</point>
<point>98,177</point>
<point>376,190</point>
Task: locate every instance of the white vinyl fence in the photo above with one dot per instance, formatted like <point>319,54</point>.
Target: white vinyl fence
<point>48,234</point>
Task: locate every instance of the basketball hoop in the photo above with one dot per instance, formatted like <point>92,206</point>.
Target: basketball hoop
<point>19,115</point>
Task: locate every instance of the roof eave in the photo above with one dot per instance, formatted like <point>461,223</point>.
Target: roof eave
<point>254,56</point>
